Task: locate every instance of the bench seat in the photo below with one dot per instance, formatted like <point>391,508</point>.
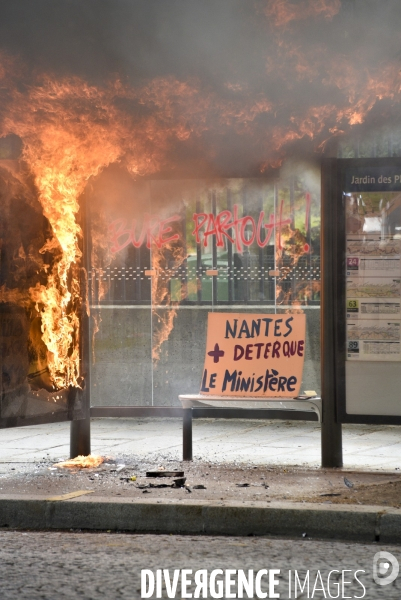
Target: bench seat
<point>313,404</point>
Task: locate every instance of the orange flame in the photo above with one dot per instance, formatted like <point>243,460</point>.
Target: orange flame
<point>283,12</point>
<point>161,295</point>
<point>81,462</point>
<point>70,132</point>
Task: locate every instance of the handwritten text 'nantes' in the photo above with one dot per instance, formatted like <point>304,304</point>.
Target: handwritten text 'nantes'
<point>270,379</point>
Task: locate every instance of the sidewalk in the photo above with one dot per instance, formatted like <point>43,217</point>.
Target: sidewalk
<point>285,443</point>
<point>247,477</point>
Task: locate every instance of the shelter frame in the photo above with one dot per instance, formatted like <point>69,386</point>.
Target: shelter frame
<point>334,351</point>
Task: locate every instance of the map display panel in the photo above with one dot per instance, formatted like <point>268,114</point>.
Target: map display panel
<point>373,276</point>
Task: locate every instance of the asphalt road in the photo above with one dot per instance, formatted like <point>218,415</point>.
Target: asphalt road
<point>58,565</point>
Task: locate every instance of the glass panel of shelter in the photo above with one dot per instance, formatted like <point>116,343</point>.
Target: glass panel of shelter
<point>120,291</point>
<point>241,246</point>
<point>176,250</point>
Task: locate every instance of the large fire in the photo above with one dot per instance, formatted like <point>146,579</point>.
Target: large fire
<point>71,130</point>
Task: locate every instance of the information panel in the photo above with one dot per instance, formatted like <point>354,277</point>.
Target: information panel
<point>373,265</point>
<point>362,241</point>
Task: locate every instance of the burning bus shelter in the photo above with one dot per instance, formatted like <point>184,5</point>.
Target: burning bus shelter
<point>44,310</point>
<point>141,193</point>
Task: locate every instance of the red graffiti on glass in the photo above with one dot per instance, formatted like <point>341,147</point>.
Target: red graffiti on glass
<point>244,229</point>
<point>226,226</point>
<point>154,230</point>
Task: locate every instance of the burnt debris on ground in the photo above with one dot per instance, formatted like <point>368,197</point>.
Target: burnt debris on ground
<point>128,477</point>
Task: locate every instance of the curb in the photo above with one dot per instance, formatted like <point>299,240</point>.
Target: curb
<point>357,523</point>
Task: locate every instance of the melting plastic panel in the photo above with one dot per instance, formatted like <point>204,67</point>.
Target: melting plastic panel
<point>28,394</point>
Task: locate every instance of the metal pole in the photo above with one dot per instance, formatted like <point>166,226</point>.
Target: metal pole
<point>214,253</point>
<point>187,434</point>
<point>331,441</point>
<point>80,439</point>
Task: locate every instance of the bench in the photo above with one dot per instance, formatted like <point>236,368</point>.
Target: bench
<point>197,406</point>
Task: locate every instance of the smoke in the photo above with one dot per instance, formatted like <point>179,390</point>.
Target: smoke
<point>290,75</point>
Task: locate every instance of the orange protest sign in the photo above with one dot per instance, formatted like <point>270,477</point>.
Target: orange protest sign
<point>254,355</point>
